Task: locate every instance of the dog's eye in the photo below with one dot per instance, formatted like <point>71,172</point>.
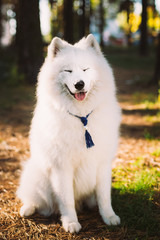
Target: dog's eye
<point>70,71</point>
<point>85,69</point>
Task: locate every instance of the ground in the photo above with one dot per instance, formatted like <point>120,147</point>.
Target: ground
<point>136,170</point>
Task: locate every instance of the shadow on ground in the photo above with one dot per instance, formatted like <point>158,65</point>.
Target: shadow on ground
<point>138,220</point>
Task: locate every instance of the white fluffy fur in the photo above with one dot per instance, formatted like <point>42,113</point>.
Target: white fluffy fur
<point>61,171</point>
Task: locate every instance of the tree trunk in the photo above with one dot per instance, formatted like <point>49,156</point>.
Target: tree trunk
<point>88,13</point>
<point>129,35</point>
<point>28,39</point>
<point>82,19</point>
<point>101,27</point>
<point>144,32</point>
<point>156,76</point>
<point>0,21</point>
<point>68,20</point>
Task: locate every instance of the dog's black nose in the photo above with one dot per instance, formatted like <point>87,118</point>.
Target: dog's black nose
<point>79,85</point>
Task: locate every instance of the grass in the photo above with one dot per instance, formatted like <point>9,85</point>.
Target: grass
<point>153,119</point>
<point>156,153</point>
<point>148,136</point>
<point>136,190</point>
<point>146,100</point>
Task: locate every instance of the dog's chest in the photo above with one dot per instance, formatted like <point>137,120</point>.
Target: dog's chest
<point>85,178</point>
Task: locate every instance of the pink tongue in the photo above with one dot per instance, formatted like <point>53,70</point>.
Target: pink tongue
<point>80,96</point>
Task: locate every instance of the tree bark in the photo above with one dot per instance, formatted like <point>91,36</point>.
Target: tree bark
<point>0,21</point>
<point>101,27</point>
<point>144,32</point>
<point>88,14</point>
<point>156,76</point>
<point>82,19</point>
<point>28,39</point>
<point>68,20</point>
<point>129,35</point>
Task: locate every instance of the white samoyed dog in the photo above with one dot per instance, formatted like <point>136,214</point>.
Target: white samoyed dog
<point>74,135</point>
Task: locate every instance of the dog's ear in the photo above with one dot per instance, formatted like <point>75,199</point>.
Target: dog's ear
<point>91,42</point>
<point>56,46</point>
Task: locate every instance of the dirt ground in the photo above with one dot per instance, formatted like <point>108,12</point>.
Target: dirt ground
<point>14,149</point>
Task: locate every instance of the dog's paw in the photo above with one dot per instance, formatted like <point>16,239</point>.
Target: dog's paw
<point>112,220</point>
<point>72,227</point>
<point>27,211</point>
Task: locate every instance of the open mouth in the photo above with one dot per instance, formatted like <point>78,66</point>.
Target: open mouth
<point>80,96</point>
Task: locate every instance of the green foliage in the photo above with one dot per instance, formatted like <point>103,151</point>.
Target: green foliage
<point>156,153</point>
<point>147,135</point>
<point>94,3</point>
<point>159,95</point>
<point>148,99</point>
<point>153,119</point>
<point>135,190</point>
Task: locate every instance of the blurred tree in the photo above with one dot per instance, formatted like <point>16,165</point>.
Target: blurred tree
<point>156,76</point>
<point>101,26</point>
<point>28,39</point>
<point>0,20</point>
<point>88,16</point>
<point>143,28</point>
<point>84,17</point>
<point>52,2</point>
<point>56,19</point>
<point>128,6</point>
<point>68,20</point>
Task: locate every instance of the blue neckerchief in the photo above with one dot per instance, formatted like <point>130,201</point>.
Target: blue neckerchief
<point>88,138</point>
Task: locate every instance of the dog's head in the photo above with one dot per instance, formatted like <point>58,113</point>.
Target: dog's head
<point>76,65</point>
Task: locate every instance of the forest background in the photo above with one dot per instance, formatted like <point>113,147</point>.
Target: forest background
<point>129,34</point>
<point>113,22</point>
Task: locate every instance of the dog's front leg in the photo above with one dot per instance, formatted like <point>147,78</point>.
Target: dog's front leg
<point>62,182</point>
<point>103,191</point>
